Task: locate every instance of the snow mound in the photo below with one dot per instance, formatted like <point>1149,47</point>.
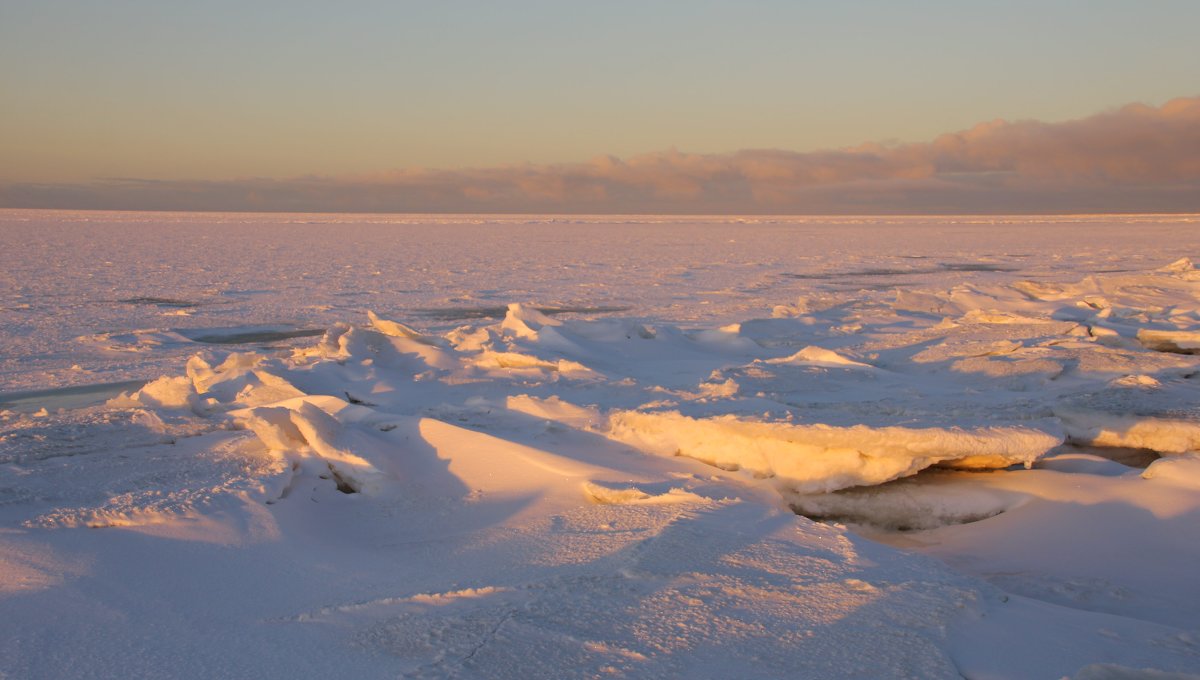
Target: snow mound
<point>399,330</point>
<point>305,431</point>
<point>524,321</point>
<point>818,356</point>
<point>165,393</point>
<point>632,495</point>
<point>1182,470</point>
<point>1183,264</point>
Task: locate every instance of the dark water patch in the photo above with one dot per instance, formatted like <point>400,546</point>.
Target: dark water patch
<point>461,313</point>
<point>864,285</point>
<point>159,302</point>
<point>975,267</point>
<point>910,271</point>
<point>76,396</point>
<point>930,499</point>
<point>885,521</point>
<point>857,273</point>
<point>584,310</point>
<point>1129,457</point>
<point>251,336</point>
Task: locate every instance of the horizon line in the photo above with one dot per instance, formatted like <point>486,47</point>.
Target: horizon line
<point>1196,214</point>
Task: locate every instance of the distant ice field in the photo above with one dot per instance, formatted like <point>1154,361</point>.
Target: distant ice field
<point>90,298</point>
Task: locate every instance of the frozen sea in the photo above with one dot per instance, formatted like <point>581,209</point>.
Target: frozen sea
<point>77,285</point>
<point>292,445</point>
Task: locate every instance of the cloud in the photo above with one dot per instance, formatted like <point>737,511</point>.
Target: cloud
<point>1134,159</point>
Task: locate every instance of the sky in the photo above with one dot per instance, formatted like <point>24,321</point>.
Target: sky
<point>278,105</point>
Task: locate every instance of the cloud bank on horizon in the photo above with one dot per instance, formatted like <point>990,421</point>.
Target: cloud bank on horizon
<point>1136,158</point>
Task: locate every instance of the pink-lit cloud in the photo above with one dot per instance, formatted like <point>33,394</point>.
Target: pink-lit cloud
<point>1136,158</point>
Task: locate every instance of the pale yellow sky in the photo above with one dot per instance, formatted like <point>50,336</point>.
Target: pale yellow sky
<point>222,90</point>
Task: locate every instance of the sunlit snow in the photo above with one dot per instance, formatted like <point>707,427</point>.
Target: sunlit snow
<point>525,446</point>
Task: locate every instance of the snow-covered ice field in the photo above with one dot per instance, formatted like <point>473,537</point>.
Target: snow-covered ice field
<point>381,446</point>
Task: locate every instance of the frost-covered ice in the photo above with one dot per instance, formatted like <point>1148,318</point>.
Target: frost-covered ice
<point>546,447</point>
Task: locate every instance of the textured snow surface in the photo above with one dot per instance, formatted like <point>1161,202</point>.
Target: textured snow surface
<point>515,447</point>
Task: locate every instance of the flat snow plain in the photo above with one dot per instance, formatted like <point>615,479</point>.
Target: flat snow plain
<point>526,446</point>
